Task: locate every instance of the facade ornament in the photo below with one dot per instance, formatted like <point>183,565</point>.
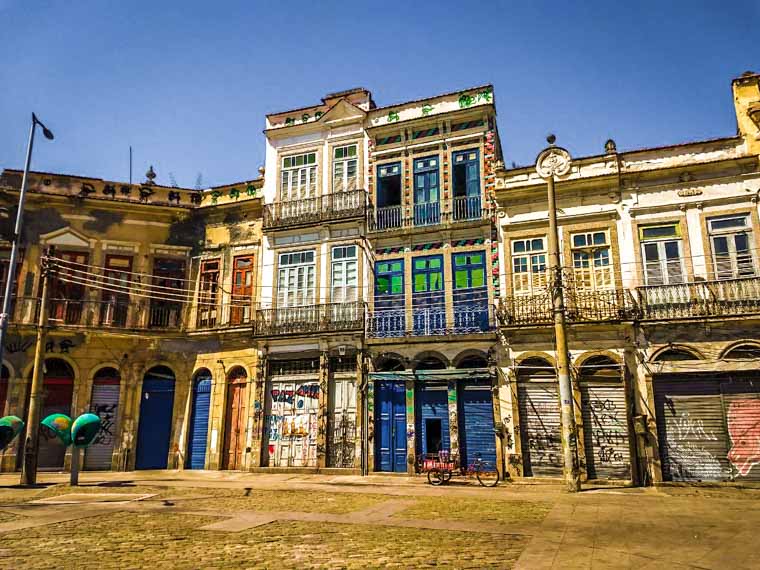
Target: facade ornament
<point>150,177</point>
<point>553,161</point>
<point>610,147</point>
<point>686,177</point>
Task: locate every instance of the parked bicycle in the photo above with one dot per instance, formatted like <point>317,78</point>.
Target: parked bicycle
<point>440,469</point>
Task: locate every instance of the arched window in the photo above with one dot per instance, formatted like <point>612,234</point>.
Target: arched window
<point>535,366</point>
<point>237,373</point>
<point>202,374</point>
<point>389,364</point>
<point>430,363</point>
<point>743,352</point>
<point>473,361</point>
<point>600,367</point>
<point>676,355</point>
<point>57,368</point>
<point>106,375</point>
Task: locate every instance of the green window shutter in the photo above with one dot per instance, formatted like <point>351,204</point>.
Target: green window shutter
<point>396,284</point>
<point>478,278</point>
<point>420,284</point>
<point>460,279</point>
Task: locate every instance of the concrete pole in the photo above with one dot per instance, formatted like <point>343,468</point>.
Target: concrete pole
<point>75,453</point>
<point>569,443</point>
<point>29,468</point>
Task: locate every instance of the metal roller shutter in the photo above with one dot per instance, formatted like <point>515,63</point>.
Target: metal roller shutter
<point>605,430</point>
<point>155,427</point>
<point>741,404</point>
<point>105,403</point>
<point>433,413</point>
<point>692,434</point>
<point>341,429</point>
<point>540,429</point>
<point>196,449</point>
<point>476,433</point>
<point>58,394</point>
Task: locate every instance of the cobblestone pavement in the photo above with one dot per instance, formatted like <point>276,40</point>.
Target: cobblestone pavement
<point>236,520</point>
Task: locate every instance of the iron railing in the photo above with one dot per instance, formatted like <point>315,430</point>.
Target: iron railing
<point>580,305</point>
<point>309,319</point>
<point>336,206</point>
<point>388,218</point>
<point>430,321</point>
<point>724,297</point>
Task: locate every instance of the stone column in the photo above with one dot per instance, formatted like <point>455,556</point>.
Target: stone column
<point>453,417</point>
<point>322,419</point>
<point>410,428</point>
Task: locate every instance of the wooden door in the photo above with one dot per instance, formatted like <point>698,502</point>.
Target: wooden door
<point>242,289</point>
<point>234,425</point>
<point>66,298</point>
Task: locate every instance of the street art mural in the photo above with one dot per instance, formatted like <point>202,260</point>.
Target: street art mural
<point>292,424</point>
<point>744,431</point>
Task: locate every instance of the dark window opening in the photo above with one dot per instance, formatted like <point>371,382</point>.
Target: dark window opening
<point>433,435</point>
<point>296,366</point>
<point>389,185</point>
<point>431,363</point>
<point>473,362</point>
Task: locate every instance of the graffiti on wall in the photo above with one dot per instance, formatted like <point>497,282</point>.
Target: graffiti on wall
<point>608,431</point>
<point>688,456</point>
<point>744,431</point>
<point>107,415</point>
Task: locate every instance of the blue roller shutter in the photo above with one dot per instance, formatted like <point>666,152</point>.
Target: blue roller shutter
<point>154,430</point>
<point>476,428</point>
<point>390,427</point>
<point>432,406</point>
<point>196,449</point>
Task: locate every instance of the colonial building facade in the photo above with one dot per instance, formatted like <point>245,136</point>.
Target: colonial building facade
<point>381,295</point>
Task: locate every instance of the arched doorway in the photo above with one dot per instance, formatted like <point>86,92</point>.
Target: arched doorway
<point>196,445</point>
<point>540,433</point>
<point>104,403</point>
<point>155,425</point>
<point>58,390</point>
<point>4,380</point>
<point>234,418</point>
<point>605,419</point>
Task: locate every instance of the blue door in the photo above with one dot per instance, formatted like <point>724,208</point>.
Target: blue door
<point>467,184</point>
<point>196,449</point>
<point>390,427</point>
<point>428,300</point>
<point>389,317</point>
<point>427,202</point>
<point>432,419</point>
<point>155,428</point>
<point>471,313</point>
<point>476,427</point>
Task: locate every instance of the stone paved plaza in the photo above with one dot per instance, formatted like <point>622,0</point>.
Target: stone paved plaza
<point>179,520</point>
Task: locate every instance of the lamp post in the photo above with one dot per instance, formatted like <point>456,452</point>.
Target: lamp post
<point>555,161</point>
<point>11,279</point>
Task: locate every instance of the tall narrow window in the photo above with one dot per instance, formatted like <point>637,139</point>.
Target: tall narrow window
<point>208,293</point>
<point>242,289</point>
<point>299,177</point>
<point>731,238</point>
<point>295,279</point>
<point>428,300</point>
<point>389,318</point>
<point>466,184</point>
<point>529,265</point>
<point>592,260</point>
<point>344,168</point>
<point>344,274</point>
<point>388,213</point>
<point>662,252</point>
<point>168,276</point>
<point>470,292</point>
<point>113,311</point>
<point>67,298</point>
<point>427,208</point>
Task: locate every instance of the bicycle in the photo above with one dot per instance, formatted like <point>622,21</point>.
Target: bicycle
<point>441,469</point>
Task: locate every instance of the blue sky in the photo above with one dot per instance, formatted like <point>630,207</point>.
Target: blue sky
<point>187,84</point>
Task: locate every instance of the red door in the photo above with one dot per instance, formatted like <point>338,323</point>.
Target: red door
<point>242,290</point>
<point>66,297</point>
<point>234,425</point>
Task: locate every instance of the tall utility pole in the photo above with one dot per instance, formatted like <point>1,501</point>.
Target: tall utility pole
<point>555,161</point>
<point>31,445</point>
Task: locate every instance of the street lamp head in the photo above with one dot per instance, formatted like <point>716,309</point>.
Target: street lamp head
<point>45,131</point>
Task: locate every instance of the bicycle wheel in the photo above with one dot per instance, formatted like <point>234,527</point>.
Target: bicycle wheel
<point>487,474</point>
<point>435,477</point>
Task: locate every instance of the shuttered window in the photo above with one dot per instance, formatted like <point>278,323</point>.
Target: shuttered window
<point>592,260</point>
<point>344,168</point>
<point>529,273</point>
<point>731,239</point>
<point>295,281</point>
<point>299,177</point>
<point>662,252</point>
<point>344,274</point>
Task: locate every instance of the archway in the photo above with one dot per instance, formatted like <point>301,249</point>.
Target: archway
<point>58,391</point>
<point>156,414</point>
<point>676,354</point>
<point>104,403</point>
<point>744,351</point>
<point>199,416</point>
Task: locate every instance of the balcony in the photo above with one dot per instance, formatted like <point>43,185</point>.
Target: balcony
<point>463,208</point>
<point>430,321</point>
<point>307,211</point>
<point>726,297</point>
<point>309,319</point>
<point>102,314</point>
<point>581,307</point>
<point>238,313</point>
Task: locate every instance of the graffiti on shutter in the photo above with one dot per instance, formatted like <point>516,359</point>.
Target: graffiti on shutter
<point>105,403</point>
<point>292,424</point>
<point>540,429</point>
<point>741,403</point>
<point>605,430</point>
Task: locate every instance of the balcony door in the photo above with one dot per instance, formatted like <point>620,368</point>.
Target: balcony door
<point>466,184</point>
<point>67,298</point>
<point>296,281</point>
<point>662,251</point>
<point>168,274</point>
<point>731,239</point>
<point>389,318</point>
<point>470,292</point>
<point>242,289</point>
<point>428,297</point>
<point>345,282</point>
<point>208,293</point>
<point>427,207</point>
<point>113,311</point>
<point>388,213</point>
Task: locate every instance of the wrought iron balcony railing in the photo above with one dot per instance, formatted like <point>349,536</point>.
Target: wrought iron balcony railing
<point>388,218</point>
<point>330,207</point>
<point>581,306</point>
<point>430,321</point>
<point>700,299</point>
<point>115,314</point>
<point>309,319</point>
